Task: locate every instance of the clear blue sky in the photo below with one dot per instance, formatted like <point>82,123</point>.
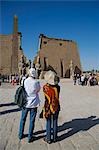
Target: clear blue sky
<point>71,20</point>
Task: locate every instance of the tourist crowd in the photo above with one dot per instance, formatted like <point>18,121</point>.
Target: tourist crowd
<point>85,80</point>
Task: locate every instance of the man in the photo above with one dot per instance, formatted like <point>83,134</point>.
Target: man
<point>32,87</point>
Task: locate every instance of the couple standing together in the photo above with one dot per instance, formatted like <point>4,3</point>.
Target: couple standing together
<point>51,105</point>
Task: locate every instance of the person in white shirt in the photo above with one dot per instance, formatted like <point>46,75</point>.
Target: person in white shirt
<point>82,79</point>
<point>32,88</point>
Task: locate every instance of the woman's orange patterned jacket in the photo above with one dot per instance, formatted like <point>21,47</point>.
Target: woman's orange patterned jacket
<point>51,100</point>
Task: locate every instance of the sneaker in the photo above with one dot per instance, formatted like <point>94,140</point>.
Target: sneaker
<point>55,140</point>
<point>21,137</point>
<point>46,140</point>
<point>31,139</point>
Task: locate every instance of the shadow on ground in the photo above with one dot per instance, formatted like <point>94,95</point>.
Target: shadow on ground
<point>7,104</point>
<point>9,110</point>
<point>76,125</point>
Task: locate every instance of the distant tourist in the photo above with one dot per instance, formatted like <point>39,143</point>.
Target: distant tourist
<point>75,79</point>
<point>38,70</point>
<point>85,80</point>
<point>32,87</point>
<point>93,81</point>
<point>82,80</point>
<point>13,79</point>
<point>22,78</point>
<point>17,79</point>
<point>51,106</point>
<point>78,79</point>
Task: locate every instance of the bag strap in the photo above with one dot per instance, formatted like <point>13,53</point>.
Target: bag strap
<point>23,82</point>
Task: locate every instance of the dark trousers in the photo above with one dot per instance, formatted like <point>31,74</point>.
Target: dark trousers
<point>33,112</point>
<point>52,126</point>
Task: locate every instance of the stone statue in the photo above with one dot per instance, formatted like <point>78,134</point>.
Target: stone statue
<point>38,67</point>
<point>22,66</point>
<point>71,66</point>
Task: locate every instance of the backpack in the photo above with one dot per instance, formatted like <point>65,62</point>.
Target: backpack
<point>20,97</point>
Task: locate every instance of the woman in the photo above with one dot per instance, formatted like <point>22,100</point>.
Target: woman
<point>51,106</point>
<point>32,87</point>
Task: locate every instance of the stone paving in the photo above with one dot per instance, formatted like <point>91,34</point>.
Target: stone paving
<point>78,120</point>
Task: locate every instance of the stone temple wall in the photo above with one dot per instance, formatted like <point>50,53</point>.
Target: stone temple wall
<point>10,53</point>
<point>57,54</point>
<point>5,53</point>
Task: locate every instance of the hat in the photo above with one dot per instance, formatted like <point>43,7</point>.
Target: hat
<point>32,72</point>
<point>50,77</point>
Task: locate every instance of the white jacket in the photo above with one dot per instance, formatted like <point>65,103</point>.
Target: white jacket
<point>32,87</point>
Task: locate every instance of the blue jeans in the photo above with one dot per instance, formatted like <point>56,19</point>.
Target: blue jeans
<point>52,126</point>
<point>25,111</point>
